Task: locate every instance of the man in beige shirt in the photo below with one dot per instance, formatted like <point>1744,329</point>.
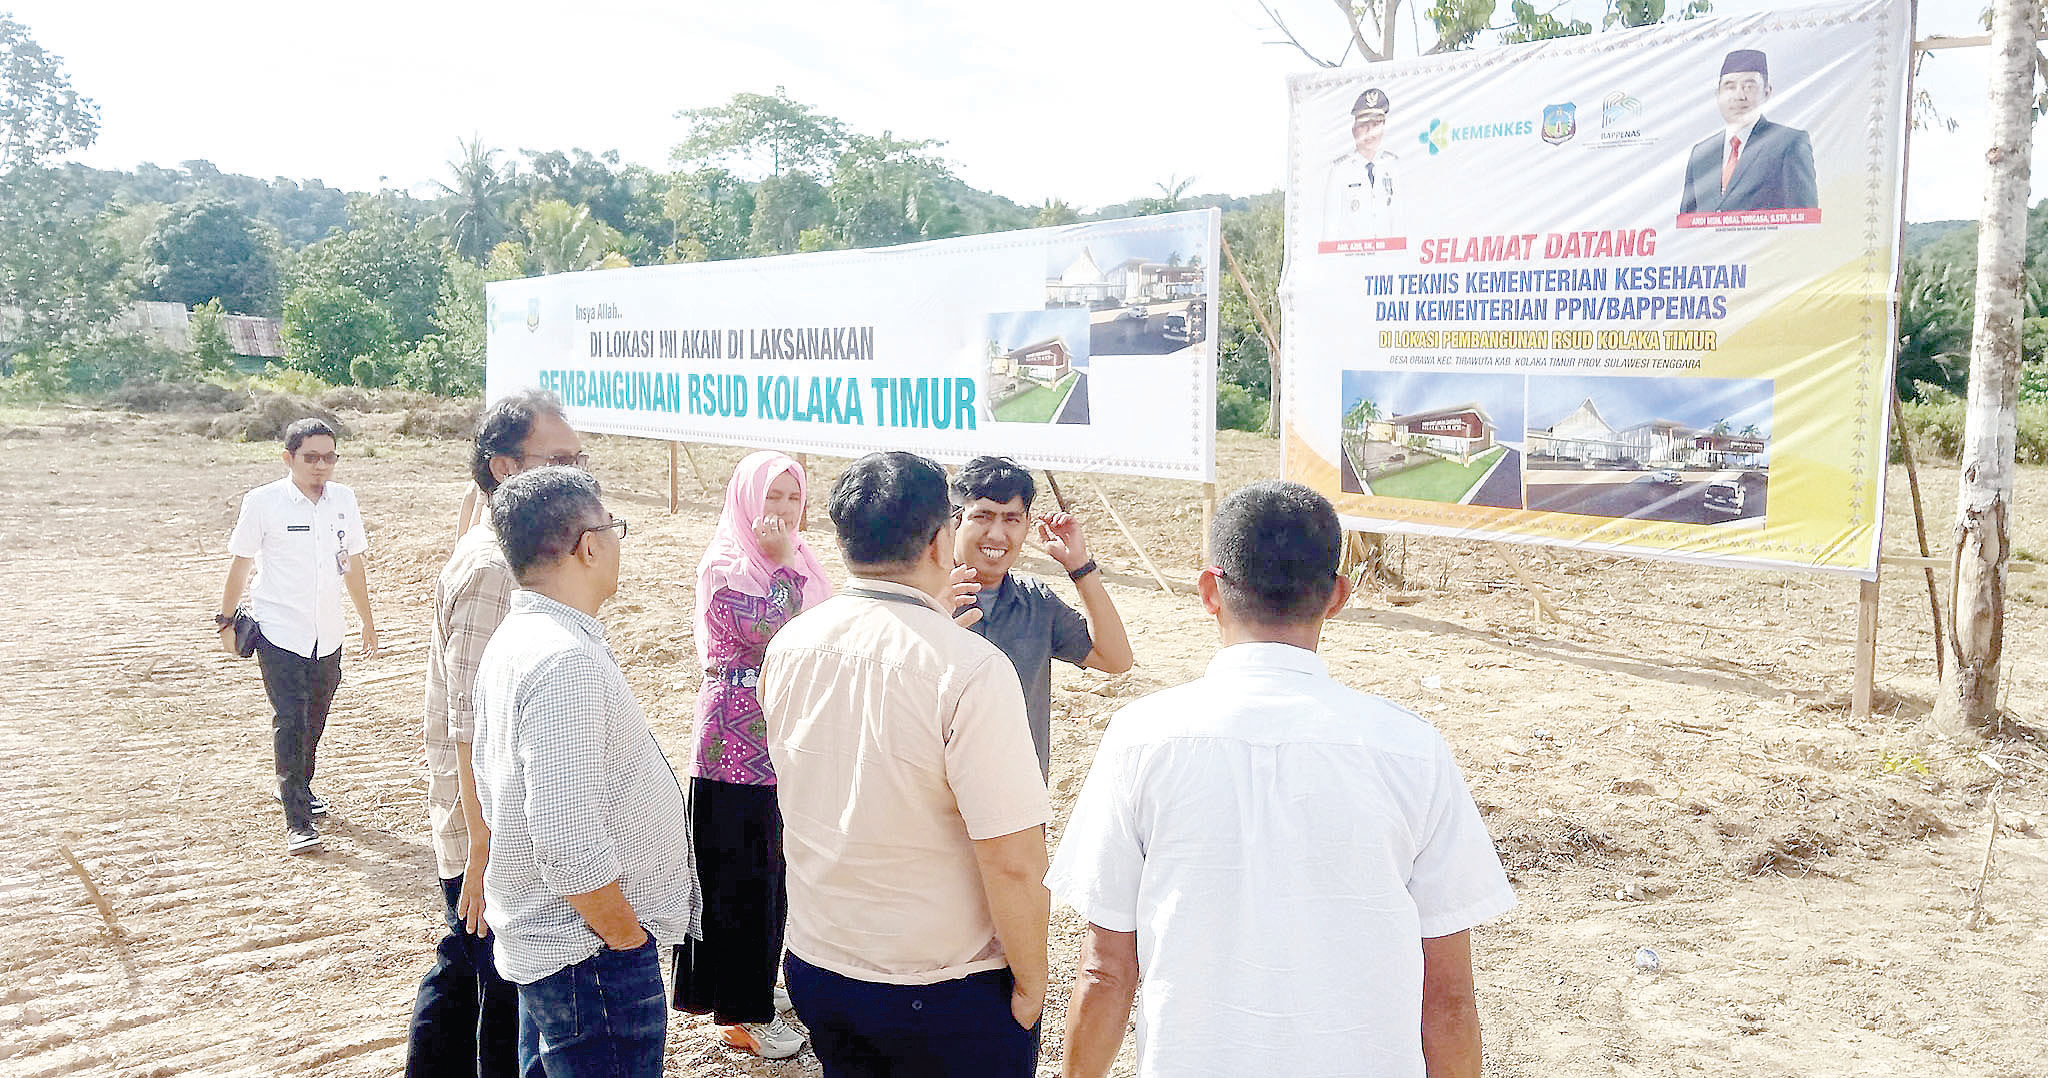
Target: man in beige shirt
<point>913,811</point>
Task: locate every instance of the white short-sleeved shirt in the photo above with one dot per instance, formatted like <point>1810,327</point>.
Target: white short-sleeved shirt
<point>1358,198</point>
<point>302,550</point>
<point>1281,845</point>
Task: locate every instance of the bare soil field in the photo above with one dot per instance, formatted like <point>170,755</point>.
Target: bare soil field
<point>1672,766</point>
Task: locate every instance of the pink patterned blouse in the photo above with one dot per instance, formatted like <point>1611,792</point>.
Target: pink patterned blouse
<point>732,735</point>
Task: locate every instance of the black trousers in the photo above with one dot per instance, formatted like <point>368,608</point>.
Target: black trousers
<point>301,690</point>
<point>730,973</point>
<point>465,1019</point>
<point>953,1029</point>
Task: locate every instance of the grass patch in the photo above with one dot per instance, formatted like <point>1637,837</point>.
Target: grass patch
<point>1441,481</point>
<point>1039,403</point>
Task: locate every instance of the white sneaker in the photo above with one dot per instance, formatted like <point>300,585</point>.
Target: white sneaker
<point>782,1002</point>
<point>772,1039</point>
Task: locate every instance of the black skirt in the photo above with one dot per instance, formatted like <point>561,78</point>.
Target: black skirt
<point>730,973</point>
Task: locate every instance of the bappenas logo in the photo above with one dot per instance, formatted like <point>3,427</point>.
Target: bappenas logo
<point>1441,135</point>
<point>1621,119</point>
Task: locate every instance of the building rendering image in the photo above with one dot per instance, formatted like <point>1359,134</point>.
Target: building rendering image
<point>1684,450</point>
<point>1044,378</point>
<point>1431,450</point>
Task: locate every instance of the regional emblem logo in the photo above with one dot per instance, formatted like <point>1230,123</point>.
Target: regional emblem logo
<point>1560,123</point>
<point>533,314</point>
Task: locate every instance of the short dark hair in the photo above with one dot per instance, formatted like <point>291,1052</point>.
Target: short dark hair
<point>504,428</point>
<point>996,478</point>
<point>296,434</point>
<point>1277,544</point>
<point>540,514</point>
<point>887,506</point>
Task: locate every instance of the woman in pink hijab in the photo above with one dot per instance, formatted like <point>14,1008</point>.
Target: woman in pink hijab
<point>757,574</point>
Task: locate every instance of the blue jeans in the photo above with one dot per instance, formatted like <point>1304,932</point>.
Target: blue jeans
<point>953,1029</point>
<point>604,1017</point>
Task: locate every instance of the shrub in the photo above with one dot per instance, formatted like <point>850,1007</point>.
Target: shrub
<point>1238,409</point>
<point>177,397</point>
<point>329,326</point>
<point>296,383</point>
<point>454,419</point>
<point>1935,423</point>
<point>267,416</point>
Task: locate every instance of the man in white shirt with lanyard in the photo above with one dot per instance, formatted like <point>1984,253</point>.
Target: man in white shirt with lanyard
<point>303,538</point>
<point>1291,865</point>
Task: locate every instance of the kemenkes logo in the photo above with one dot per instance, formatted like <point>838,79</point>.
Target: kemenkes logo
<point>1440,134</point>
<point>1436,138</point>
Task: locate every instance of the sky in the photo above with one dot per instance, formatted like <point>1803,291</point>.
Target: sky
<point>1408,392</point>
<point>1624,402</point>
<point>1090,102</point>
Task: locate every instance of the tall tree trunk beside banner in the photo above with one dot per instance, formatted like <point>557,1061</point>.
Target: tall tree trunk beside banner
<point>1969,694</point>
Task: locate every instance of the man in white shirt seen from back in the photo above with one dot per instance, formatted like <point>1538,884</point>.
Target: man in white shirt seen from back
<point>1290,867</point>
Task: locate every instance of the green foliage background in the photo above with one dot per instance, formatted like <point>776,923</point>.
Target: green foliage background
<point>387,289</point>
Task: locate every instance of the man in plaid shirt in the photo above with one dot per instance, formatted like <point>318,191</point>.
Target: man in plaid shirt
<point>465,1017</point>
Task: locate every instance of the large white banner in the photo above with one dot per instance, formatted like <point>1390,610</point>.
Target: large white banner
<point>1085,348</point>
<point>1629,291</point>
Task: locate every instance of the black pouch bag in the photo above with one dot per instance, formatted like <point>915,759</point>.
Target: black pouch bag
<point>246,632</point>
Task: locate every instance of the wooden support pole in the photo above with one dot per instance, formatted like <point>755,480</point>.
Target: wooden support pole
<point>1541,601</point>
<point>1059,496</point>
<point>695,475</point>
<point>1920,529</point>
<point>1131,538</point>
<point>675,477</point>
<point>1866,649</point>
<point>803,460</point>
<point>1906,561</point>
<point>1251,299</point>
<point>92,891</point>
<point>1208,523</point>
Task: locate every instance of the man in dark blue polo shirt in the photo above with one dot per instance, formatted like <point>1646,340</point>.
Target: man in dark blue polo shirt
<point>1023,616</point>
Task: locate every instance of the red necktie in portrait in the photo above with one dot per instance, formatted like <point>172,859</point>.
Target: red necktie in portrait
<point>1728,164</point>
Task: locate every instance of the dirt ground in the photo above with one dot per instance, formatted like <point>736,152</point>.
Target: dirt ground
<point>1673,767</point>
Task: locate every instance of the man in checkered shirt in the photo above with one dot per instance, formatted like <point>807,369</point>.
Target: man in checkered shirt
<point>590,868</point>
<point>465,1018</point>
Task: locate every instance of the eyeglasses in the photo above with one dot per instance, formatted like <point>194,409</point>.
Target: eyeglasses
<point>579,461</point>
<point>617,524</point>
<point>320,458</point>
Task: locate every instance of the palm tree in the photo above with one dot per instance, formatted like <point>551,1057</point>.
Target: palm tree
<point>476,218</point>
<point>1362,413</point>
<point>567,238</point>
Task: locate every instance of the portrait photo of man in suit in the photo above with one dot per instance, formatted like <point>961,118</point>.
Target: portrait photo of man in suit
<point>1752,164</point>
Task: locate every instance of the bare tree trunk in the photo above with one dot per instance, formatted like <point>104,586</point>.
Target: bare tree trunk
<point>1968,699</point>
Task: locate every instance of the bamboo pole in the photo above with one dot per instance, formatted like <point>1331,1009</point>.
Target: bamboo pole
<point>1130,537</point>
<point>1208,523</point>
<point>675,491</point>
<point>1866,650</point>
<point>1920,530</point>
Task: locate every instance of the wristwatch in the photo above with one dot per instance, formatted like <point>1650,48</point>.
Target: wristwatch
<point>1082,569</point>
<point>222,621</point>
